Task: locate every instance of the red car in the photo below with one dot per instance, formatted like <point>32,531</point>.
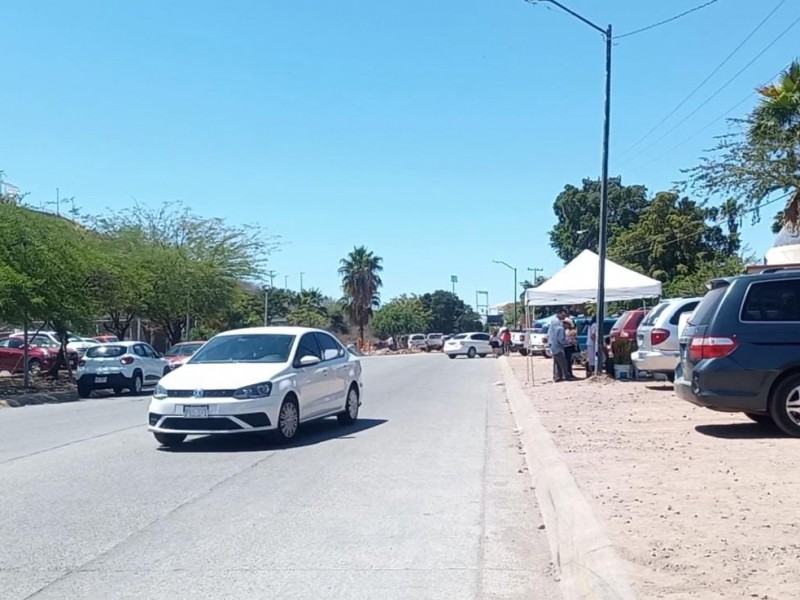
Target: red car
<point>626,326</point>
<point>180,353</point>
<point>41,355</point>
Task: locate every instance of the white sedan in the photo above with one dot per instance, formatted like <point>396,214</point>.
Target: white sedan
<point>469,345</point>
<point>265,379</point>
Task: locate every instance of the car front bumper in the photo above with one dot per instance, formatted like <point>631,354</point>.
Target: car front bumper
<point>655,362</point>
<point>225,415</point>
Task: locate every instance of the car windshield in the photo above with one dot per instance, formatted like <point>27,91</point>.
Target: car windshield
<point>105,351</point>
<point>250,348</point>
<point>184,349</point>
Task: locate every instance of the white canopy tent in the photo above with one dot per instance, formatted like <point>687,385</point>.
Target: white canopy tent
<point>576,283</point>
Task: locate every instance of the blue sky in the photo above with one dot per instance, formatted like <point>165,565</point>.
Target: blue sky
<point>436,133</point>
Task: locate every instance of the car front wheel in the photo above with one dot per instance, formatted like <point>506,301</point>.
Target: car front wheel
<point>84,390</point>
<point>451,356</point>
<point>784,406</point>
<point>288,421</point>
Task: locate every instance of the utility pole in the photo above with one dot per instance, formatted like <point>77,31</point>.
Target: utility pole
<point>271,275</point>
<point>301,281</point>
<point>286,282</point>
<point>505,264</point>
<point>603,233</point>
<point>535,270</point>
<point>454,281</point>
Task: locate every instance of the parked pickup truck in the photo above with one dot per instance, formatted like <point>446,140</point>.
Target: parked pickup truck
<point>518,342</point>
<point>435,341</point>
<point>536,340</point>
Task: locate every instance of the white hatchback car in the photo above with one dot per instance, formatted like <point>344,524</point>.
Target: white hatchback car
<point>469,345</point>
<point>119,366</point>
<point>267,379</point>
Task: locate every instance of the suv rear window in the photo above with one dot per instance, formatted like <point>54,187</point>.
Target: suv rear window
<point>773,301</point>
<point>653,315</point>
<point>675,319</point>
<point>105,351</point>
<point>708,306</point>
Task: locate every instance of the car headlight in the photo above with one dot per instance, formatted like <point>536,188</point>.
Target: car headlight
<point>259,390</point>
<point>160,392</point>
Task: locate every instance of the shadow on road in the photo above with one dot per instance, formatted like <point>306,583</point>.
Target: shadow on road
<point>309,434</point>
<point>740,431</point>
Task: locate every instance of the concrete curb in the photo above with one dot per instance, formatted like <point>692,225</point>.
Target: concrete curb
<point>590,567</point>
<point>40,398</point>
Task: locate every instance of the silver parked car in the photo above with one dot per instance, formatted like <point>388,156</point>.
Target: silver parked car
<point>657,337</point>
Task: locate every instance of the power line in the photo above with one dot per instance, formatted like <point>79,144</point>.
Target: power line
<point>665,21</point>
<point>717,222</point>
<point>722,87</point>
<point>710,124</point>
<point>706,80</point>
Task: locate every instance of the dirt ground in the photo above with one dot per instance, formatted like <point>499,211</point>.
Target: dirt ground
<point>700,504</point>
<point>12,385</point>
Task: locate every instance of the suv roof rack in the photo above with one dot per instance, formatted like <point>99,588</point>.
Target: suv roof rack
<point>777,270</point>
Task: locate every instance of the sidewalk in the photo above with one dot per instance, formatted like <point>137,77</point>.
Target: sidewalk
<point>701,505</point>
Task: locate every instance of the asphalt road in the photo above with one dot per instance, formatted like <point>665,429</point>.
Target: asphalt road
<point>425,497</point>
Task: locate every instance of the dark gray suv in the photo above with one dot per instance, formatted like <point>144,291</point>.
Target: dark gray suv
<point>740,351</point>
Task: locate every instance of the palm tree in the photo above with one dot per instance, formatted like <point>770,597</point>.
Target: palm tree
<point>776,120</point>
<point>360,272</point>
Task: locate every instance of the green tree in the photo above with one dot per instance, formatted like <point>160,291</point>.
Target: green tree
<point>401,316</point>
<point>49,272</point>
<point>761,156</point>
<point>673,239</point>
<point>360,273</point>
<point>577,213</point>
<point>306,315</point>
<point>446,310</point>
<point>193,265</point>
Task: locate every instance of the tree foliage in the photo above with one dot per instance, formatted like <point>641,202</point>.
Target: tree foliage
<point>673,238</point>
<point>361,281</point>
<point>449,313</point>
<point>401,316</point>
<point>577,211</point>
<point>761,155</point>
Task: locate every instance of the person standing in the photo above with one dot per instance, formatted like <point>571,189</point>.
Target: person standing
<point>591,346</point>
<point>494,342</point>
<point>506,339</point>
<point>572,347</point>
<point>557,340</point>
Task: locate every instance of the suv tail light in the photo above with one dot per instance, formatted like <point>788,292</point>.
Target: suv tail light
<point>658,336</point>
<point>623,334</point>
<point>702,347</point>
<point>126,360</point>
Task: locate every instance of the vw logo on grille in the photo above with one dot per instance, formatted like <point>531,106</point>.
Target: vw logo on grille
<point>198,393</point>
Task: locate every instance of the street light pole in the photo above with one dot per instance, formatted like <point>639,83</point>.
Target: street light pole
<point>505,264</point>
<point>603,234</point>
<point>271,275</point>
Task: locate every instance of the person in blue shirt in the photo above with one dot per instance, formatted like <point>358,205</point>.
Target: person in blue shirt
<point>557,339</point>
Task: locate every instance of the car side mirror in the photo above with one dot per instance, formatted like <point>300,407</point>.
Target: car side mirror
<point>309,361</point>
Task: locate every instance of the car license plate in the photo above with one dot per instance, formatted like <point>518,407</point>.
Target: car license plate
<point>100,379</point>
<point>195,412</point>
